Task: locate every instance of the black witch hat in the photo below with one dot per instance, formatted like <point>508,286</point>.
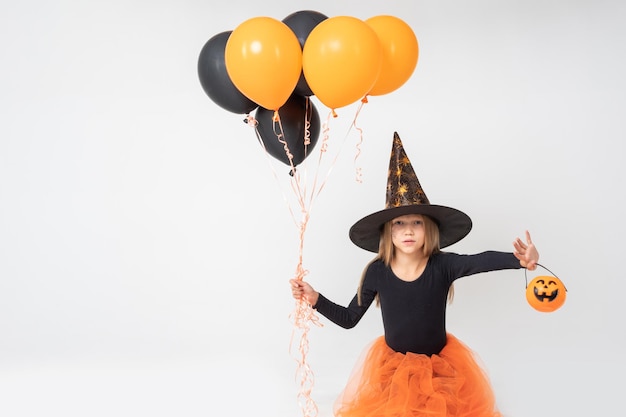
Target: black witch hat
<point>406,196</point>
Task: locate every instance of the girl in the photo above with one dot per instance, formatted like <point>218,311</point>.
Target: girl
<point>416,368</point>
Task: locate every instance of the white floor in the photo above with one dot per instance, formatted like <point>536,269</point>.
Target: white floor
<point>197,387</point>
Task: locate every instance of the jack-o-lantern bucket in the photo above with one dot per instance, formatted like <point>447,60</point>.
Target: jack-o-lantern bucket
<point>546,293</point>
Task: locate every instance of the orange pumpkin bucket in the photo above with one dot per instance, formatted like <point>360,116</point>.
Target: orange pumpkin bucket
<point>545,293</point>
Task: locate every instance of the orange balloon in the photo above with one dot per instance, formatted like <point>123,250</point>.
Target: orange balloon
<point>400,52</point>
<point>263,59</point>
<point>341,60</point>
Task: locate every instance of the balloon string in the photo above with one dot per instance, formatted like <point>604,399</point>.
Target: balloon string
<point>308,111</point>
<point>251,121</point>
<point>325,146</point>
<point>280,136</point>
<point>302,315</point>
<point>323,150</point>
<point>359,170</point>
<point>297,185</point>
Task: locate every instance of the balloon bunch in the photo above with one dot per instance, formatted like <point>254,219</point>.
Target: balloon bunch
<point>275,66</point>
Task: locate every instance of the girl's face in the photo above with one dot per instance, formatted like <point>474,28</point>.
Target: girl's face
<point>407,233</point>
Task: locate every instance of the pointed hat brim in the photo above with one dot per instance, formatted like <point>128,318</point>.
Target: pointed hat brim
<point>453,224</point>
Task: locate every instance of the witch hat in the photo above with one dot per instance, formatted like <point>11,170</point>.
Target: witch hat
<point>406,196</point>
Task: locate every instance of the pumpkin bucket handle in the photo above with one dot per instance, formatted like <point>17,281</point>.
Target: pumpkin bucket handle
<point>538,264</point>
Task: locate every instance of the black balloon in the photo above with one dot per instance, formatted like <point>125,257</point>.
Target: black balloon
<point>215,80</point>
<point>302,23</point>
<point>293,115</point>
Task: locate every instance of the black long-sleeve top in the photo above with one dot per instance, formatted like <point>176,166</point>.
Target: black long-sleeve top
<point>414,312</point>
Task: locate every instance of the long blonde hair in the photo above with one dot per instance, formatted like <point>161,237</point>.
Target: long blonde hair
<point>386,250</point>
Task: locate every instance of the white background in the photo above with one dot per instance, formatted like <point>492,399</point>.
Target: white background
<point>146,241</point>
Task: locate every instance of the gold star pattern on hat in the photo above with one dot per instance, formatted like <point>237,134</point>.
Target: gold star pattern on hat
<point>403,187</point>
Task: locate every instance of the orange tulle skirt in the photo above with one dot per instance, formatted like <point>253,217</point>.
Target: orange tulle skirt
<point>386,383</point>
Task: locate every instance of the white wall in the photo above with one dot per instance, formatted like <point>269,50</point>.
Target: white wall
<point>145,243</point>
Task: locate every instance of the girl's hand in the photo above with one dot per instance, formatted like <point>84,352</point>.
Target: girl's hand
<point>301,290</point>
<point>526,253</point>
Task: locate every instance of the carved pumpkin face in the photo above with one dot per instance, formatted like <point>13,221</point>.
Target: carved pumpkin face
<point>545,293</point>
